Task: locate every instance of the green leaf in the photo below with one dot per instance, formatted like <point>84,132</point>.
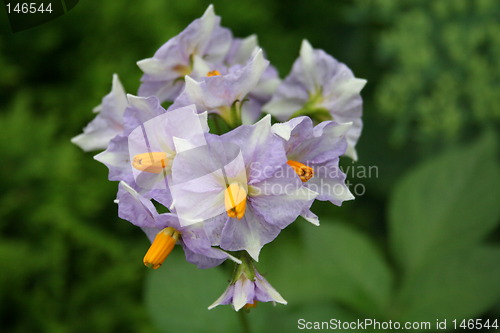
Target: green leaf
<point>178,295</point>
<point>458,285</point>
<point>336,262</point>
<point>447,203</point>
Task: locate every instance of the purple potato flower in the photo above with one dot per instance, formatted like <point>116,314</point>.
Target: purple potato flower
<point>236,185</point>
<point>203,43</point>
<point>226,94</point>
<point>247,288</point>
<point>143,155</point>
<point>323,88</point>
<point>313,152</point>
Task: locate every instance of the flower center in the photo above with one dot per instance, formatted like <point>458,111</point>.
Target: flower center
<point>182,70</point>
<point>161,247</point>
<point>235,201</point>
<point>250,305</point>
<point>305,172</point>
<point>213,73</point>
<point>153,162</point>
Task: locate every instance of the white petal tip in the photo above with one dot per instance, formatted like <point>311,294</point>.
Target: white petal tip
<point>306,46</point>
<point>254,254</point>
<point>310,217</point>
<point>143,63</point>
<point>313,222</point>
<point>82,141</point>
<point>351,152</point>
<point>209,11</point>
<point>116,82</point>
<point>284,131</point>
<point>189,80</point>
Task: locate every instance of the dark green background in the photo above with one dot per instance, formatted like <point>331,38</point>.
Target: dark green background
<point>421,244</point>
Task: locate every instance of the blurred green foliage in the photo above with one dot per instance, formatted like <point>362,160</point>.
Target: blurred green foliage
<point>417,244</point>
<point>443,68</point>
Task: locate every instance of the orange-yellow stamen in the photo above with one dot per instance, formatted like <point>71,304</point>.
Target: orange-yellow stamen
<point>153,162</point>
<point>213,73</point>
<point>235,201</point>
<point>250,305</point>
<point>305,172</point>
<point>161,247</point>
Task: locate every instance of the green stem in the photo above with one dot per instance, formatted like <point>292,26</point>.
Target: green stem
<point>245,325</point>
<point>236,113</point>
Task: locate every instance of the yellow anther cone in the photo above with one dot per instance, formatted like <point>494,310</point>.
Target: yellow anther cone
<point>305,172</point>
<point>235,201</point>
<point>161,247</point>
<point>153,162</point>
<point>213,73</point>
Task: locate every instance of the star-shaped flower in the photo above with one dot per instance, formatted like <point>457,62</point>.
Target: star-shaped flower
<point>202,43</point>
<point>323,88</point>
<point>236,182</point>
<point>313,153</point>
